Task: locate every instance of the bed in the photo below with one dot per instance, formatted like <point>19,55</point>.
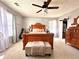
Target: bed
<point>41,35</point>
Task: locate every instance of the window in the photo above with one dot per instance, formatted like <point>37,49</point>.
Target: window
<point>9,21</point>
<point>6,22</point>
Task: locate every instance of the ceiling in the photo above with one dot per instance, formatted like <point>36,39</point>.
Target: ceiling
<point>25,7</point>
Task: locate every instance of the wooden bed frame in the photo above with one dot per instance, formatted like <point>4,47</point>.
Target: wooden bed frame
<point>48,37</point>
<point>38,25</point>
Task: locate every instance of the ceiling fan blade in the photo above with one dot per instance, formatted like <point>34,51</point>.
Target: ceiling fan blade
<point>37,5</point>
<point>48,2</point>
<point>39,11</point>
<point>53,7</point>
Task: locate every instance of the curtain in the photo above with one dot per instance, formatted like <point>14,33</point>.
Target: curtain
<point>2,43</point>
<point>14,29</point>
<point>6,29</point>
<point>53,27</point>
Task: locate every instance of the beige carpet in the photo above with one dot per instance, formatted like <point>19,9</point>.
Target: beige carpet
<point>60,51</point>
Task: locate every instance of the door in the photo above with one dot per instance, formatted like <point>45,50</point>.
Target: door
<point>64,27</point>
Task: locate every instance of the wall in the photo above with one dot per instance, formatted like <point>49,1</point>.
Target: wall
<point>53,27</point>
<point>30,20</point>
<point>71,16</point>
<point>18,25</point>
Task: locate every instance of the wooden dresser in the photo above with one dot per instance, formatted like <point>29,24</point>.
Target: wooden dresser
<point>72,35</point>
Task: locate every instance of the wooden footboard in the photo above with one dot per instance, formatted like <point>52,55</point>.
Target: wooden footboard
<point>38,37</point>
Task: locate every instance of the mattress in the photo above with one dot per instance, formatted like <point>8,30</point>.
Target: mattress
<point>37,48</point>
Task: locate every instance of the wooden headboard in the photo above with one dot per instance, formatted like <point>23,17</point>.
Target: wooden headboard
<point>38,25</point>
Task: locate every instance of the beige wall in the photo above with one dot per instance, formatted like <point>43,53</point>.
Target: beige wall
<point>19,25</point>
<point>31,20</point>
<point>71,16</point>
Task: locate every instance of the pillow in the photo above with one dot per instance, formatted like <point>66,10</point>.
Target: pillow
<point>38,30</point>
<point>35,30</point>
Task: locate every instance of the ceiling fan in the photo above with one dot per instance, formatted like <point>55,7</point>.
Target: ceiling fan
<point>45,6</point>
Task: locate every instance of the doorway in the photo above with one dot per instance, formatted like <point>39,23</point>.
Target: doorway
<point>64,27</point>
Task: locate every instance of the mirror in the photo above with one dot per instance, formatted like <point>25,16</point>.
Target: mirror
<point>76,21</point>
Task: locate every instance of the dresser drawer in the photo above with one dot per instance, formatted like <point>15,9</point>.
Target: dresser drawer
<point>77,43</point>
<point>73,42</point>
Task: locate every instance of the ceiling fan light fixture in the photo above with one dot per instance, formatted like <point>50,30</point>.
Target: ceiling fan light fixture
<point>45,10</point>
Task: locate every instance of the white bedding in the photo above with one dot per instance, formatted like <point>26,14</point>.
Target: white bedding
<point>37,33</point>
<point>38,30</point>
<point>37,48</point>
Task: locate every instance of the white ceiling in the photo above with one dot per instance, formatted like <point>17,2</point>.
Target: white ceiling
<point>26,8</point>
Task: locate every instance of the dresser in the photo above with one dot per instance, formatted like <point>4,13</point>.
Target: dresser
<point>72,35</point>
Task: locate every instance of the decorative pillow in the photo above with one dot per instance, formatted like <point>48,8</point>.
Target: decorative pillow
<point>38,30</point>
<point>35,30</point>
